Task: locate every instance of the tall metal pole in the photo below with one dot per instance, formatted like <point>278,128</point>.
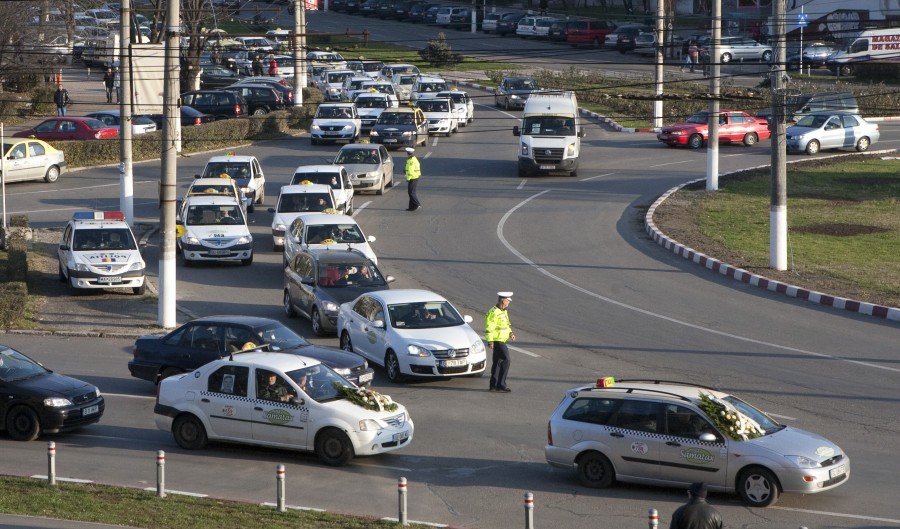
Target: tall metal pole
<point>299,56</point>
<point>660,58</point>
<point>712,147</point>
<point>126,175</point>
<point>171,114</point>
<point>778,199</point>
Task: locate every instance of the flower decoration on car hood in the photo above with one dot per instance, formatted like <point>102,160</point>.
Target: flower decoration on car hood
<point>366,398</point>
<point>728,420</point>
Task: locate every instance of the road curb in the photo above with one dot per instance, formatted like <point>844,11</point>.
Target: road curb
<point>739,274</point>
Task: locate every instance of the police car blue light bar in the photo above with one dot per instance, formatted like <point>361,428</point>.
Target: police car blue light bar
<point>98,215</point>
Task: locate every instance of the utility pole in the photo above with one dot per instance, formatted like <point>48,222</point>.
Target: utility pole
<point>299,45</point>
<point>712,146</point>
<point>171,114</point>
<point>126,174</point>
<point>660,58</point>
<point>778,199</point>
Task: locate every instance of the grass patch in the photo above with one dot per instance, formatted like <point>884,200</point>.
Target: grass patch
<point>138,508</point>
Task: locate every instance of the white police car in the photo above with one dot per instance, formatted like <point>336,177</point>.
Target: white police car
<point>213,228</point>
<point>283,401</point>
<point>245,170</point>
<point>98,250</point>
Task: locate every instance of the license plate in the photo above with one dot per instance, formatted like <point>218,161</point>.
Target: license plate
<point>109,279</point>
<point>453,363</point>
<point>331,133</point>
<point>402,436</point>
<point>365,377</point>
<point>548,167</point>
<point>90,410</point>
<point>219,252</point>
<point>837,471</point>
<point>390,141</point>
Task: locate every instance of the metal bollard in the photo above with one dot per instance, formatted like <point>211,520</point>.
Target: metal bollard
<point>401,493</point>
<point>279,474</point>
<point>160,474</point>
<point>51,463</point>
<point>529,510</point>
<point>654,519</point>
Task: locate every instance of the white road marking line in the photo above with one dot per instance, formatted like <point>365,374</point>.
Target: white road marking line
<point>521,184</point>
<point>395,520</point>
<point>57,190</point>
<point>360,208</point>
<point>295,507</point>
<point>179,492</point>
<point>67,480</point>
<point>785,417</point>
<point>645,312</point>
<point>595,177</point>
<point>523,351</point>
<point>838,514</point>
<point>672,163</point>
<point>105,394</point>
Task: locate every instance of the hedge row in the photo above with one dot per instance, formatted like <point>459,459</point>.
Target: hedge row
<point>13,288</point>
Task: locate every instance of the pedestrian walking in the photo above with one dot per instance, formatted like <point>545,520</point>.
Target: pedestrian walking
<point>257,66</point>
<point>117,84</point>
<point>273,66</point>
<point>693,54</point>
<point>497,331</point>
<point>108,80</point>
<point>696,513</point>
<point>61,98</point>
<point>413,172</point>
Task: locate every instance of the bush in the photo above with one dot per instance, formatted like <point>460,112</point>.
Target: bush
<point>438,53</point>
<point>42,100</point>
<point>12,303</point>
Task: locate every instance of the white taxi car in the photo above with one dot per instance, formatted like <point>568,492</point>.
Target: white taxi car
<point>411,333</point>
<point>674,434</point>
<point>428,88</point>
<point>213,228</point>
<point>295,200</point>
<point>335,122</point>
<point>218,186</point>
<point>245,170</point>
<point>283,401</point>
<point>311,231</point>
<point>462,104</point>
<point>98,250</point>
<point>442,117</point>
<point>334,176</point>
<point>370,106</point>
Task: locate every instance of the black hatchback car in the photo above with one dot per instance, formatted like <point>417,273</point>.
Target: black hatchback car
<point>508,24</point>
<point>203,340</point>
<point>219,103</point>
<point>627,34</point>
<point>261,99</point>
<point>35,400</point>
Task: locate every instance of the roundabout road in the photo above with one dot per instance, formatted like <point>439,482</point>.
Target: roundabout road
<point>594,296</point>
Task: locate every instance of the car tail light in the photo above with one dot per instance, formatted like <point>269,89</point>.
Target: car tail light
<point>237,110</point>
<point>197,120</point>
<point>549,432</point>
<point>290,95</point>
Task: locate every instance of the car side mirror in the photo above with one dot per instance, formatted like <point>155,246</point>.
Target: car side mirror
<point>307,281</point>
<point>297,401</point>
<point>196,176</point>
<point>271,210</point>
<point>378,324</point>
<point>64,247</point>
<point>467,319</point>
<point>516,131</point>
<point>389,279</point>
<point>708,437</point>
<point>581,133</point>
<point>370,238</point>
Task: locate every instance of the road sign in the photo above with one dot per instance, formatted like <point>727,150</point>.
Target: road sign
<point>802,20</point>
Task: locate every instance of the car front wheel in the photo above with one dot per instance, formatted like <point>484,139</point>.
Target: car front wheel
<point>695,141</point>
<point>189,432</point>
<point>333,447</point>
<point>757,487</point>
<point>812,147</point>
<point>346,344</point>
<point>595,470</point>
<point>726,57</point>
<point>380,190</point>
<point>392,367</point>
<point>315,319</point>
<point>288,305</point>
<point>22,424</point>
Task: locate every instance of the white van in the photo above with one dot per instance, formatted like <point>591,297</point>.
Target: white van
<point>869,45</point>
<point>550,134</point>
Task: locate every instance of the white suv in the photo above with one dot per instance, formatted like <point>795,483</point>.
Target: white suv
<point>670,433</point>
<point>98,250</point>
<point>283,401</point>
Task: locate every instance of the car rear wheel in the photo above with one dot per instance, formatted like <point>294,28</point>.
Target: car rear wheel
<point>595,470</point>
<point>22,424</point>
<point>767,56</point>
<point>189,432</point>
<point>260,112</point>
<point>863,144</point>
<point>380,190</point>
<point>757,487</point>
<point>695,141</point>
<point>812,147</point>
<point>392,367</point>
<point>726,57</point>
<point>333,447</point>
<point>346,344</point>
<point>750,139</point>
<point>52,174</point>
<point>315,318</point>
<point>288,305</point>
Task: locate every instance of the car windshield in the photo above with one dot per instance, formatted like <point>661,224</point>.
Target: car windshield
<point>382,88</point>
<point>213,214</point>
<point>277,337</point>
<point>371,102</point>
<point>16,366</point>
<point>318,382</point>
<point>357,156</point>
<point>765,422</point>
<point>813,121</point>
<point>372,66</point>
<point>407,79</point>
<point>396,118</point>
<point>337,233</point>
<point>431,87</point>
<point>103,239</point>
<point>434,105</point>
<point>548,126</point>
<point>328,179</point>
<point>338,78</point>
<point>227,169</point>
<point>524,84</point>
<point>349,275</point>
<point>299,202</point>
<point>699,118</point>
<point>334,112</point>
<point>423,315</point>
<point>212,189</point>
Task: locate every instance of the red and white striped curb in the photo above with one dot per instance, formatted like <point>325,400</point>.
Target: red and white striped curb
<point>738,274</point>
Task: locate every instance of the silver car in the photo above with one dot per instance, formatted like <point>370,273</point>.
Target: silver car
<point>743,49</point>
<point>831,130</point>
<point>32,159</point>
<point>370,166</point>
<point>673,434</point>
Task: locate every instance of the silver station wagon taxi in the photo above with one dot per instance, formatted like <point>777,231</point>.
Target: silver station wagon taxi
<point>674,434</point>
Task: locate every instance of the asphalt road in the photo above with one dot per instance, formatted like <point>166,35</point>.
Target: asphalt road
<point>594,297</point>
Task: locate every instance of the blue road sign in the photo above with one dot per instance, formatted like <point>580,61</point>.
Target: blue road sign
<point>802,20</point>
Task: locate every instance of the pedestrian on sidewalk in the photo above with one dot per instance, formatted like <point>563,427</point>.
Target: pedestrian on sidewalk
<point>273,66</point>
<point>109,82</point>
<point>257,65</point>
<point>61,98</point>
<point>413,172</point>
<point>694,54</point>
<point>117,84</point>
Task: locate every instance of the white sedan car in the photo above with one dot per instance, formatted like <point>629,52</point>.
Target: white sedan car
<point>441,114</point>
<point>411,333</point>
<point>282,401</point>
<point>462,104</point>
<point>311,231</point>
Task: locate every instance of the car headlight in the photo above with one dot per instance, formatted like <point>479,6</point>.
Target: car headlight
<point>372,174</point>
<point>57,402</point>
<point>415,350</point>
<point>190,239</point>
<point>81,267</point>
<point>370,425</point>
<point>315,127</point>
<point>246,239</point>
<point>347,127</point>
<point>524,150</point>
<point>803,461</point>
<point>407,133</point>
<point>136,266</point>
<point>677,133</point>
<point>513,96</point>
<point>343,371</point>
<point>477,346</point>
<point>279,227</point>
<point>570,150</point>
<point>330,306</point>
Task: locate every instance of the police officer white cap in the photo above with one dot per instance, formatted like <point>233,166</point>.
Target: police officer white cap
<point>505,295</point>
<point>410,150</point>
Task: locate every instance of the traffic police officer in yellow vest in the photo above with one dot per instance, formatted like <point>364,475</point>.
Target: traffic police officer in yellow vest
<point>497,331</point>
<point>413,172</point>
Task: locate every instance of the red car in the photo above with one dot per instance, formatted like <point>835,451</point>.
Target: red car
<point>734,126</point>
<point>589,32</point>
<point>74,128</point>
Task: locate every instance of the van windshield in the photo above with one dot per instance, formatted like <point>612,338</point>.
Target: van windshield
<point>548,126</point>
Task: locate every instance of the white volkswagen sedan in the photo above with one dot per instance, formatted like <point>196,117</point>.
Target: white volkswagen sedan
<point>411,333</point>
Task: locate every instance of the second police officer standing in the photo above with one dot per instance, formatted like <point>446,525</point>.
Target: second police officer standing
<point>413,172</point>
<point>497,331</point>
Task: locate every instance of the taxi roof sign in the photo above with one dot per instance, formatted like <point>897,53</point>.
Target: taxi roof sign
<point>98,215</point>
<point>606,382</point>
